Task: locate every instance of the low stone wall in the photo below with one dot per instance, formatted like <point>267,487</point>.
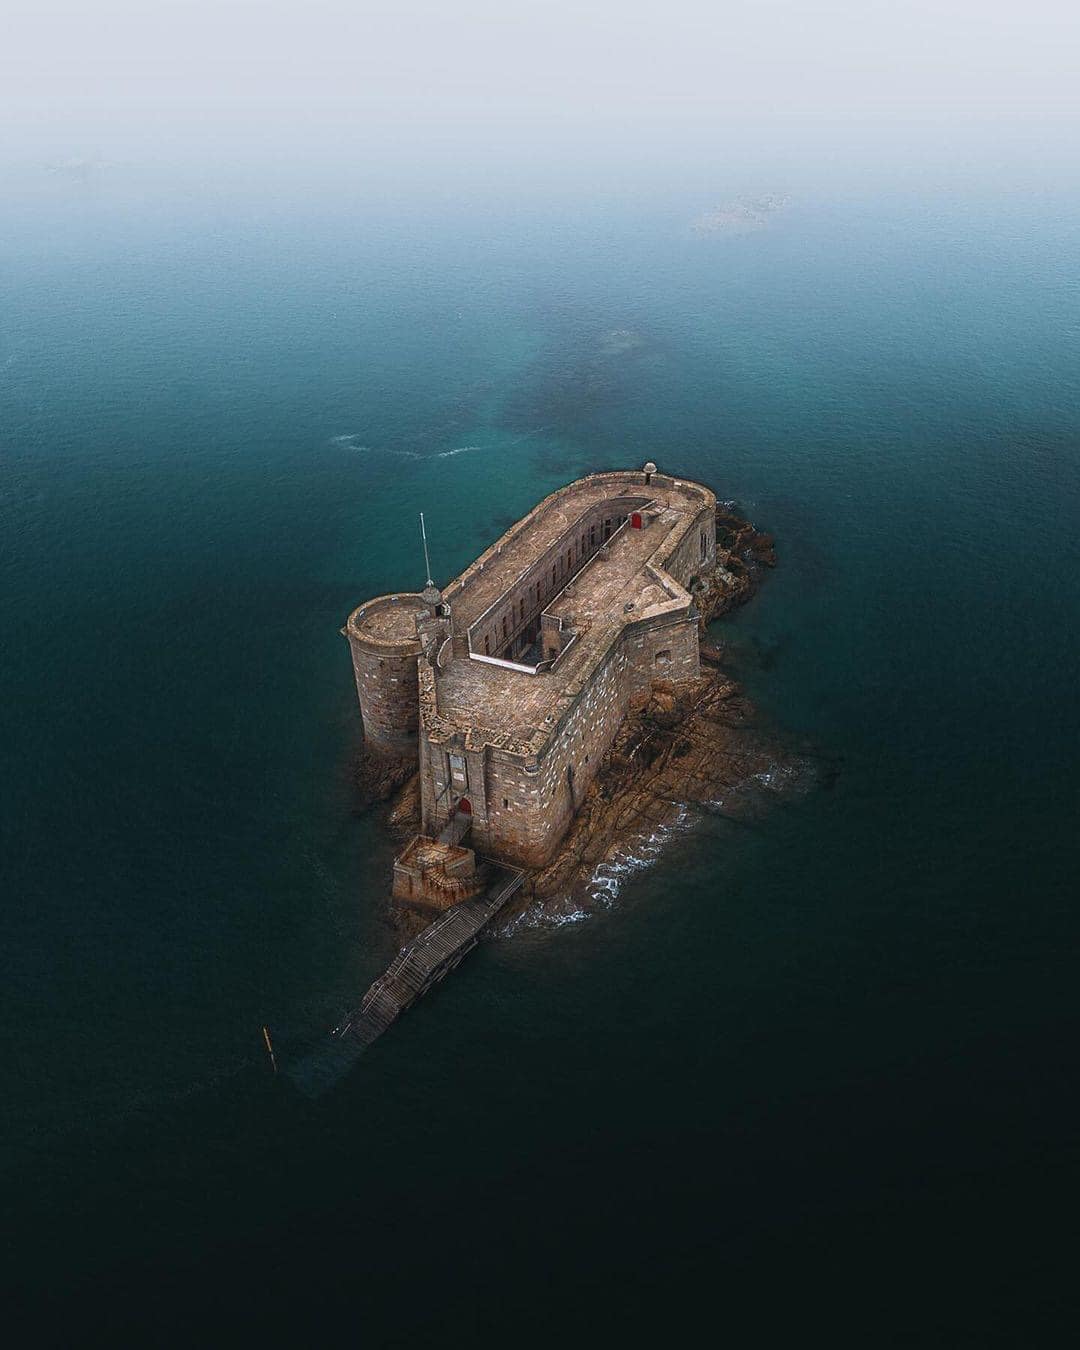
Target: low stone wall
<point>434,875</point>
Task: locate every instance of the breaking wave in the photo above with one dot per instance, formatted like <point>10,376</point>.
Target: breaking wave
<point>607,878</point>
<point>541,918</point>
<point>601,888</point>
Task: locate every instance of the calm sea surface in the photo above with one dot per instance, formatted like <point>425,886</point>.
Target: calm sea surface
<point>820,1068</point>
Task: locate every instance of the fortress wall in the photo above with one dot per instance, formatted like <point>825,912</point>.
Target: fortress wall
<point>528,813</point>
<point>620,482</point>
<point>434,777</point>
<point>522,808</point>
<point>541,805</point>
<point>668,650</point>
<point>512,824</point>
<point>695,552</point>
<point>384,648</point>
<point>449,771</point>
<point>387,688</point>
<point>510,624</point>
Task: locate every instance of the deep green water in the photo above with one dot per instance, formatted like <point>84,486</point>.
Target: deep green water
<point>815,1071</point>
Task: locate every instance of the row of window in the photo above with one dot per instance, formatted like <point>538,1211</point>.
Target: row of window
<point>559,568</point>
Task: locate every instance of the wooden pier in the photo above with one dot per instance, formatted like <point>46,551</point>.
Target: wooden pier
<point>419,965</point>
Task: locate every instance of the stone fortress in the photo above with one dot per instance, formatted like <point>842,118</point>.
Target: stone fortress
<point>546,710</point>
<point>507,688</point>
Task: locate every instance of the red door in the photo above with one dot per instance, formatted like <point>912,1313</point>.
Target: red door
<point>635,520</point>
<point>465,806</point>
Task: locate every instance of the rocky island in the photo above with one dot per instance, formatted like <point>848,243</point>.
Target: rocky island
<point>684,748</point>
<point>743,215</point>
<point>552,713</point>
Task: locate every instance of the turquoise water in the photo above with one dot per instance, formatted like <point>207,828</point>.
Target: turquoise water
<point>821,1060</point>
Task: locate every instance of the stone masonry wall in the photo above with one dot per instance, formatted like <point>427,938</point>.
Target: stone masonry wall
<point>508,624</point>
<point>527,811</point>
<point>695,554</point>
<point>530,812</point>
<point>668,651</point>
<point>387,688</point>
<point>384,645</point>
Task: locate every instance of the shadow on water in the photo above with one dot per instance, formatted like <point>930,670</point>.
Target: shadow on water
<point>306,1219</point>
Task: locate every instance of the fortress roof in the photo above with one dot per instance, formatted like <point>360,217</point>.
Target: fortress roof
<point>624,583</point>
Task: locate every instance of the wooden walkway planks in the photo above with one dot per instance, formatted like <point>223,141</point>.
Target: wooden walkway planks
<point>419,965</point>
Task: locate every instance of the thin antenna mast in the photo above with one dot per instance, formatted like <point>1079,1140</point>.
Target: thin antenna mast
<point>427,560</point>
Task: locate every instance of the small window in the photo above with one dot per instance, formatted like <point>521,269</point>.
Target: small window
<point>704,545</point>
<point>554,575</point>
<point>506,803</point>
<point>592,536</point>
<point>504,625</point>
<point>664,658</point>
<point>487,645</point>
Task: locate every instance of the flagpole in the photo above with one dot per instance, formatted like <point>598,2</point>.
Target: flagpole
<point>427,560</point>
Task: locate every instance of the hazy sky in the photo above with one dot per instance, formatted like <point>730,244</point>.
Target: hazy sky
<point>83,73</point>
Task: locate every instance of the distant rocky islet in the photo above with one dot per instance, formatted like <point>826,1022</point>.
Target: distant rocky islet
<point>742,215</point>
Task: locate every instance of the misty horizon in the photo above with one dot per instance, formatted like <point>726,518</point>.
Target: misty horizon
<point>759,91</point>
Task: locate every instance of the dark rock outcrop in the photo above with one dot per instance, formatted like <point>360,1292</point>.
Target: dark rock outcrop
<point>378,776</point>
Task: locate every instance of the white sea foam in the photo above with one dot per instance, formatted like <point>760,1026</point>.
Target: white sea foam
<point>538,919</point>
<point>353,442</point>
<point>604,883</point>
<point>509,445</point>
<point>776,777</point>
<point>607,878</point>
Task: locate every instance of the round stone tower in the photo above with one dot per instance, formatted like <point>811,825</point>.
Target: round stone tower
<point>384,644</point>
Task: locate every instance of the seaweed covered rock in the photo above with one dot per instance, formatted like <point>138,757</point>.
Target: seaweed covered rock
<point>378,776</point>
